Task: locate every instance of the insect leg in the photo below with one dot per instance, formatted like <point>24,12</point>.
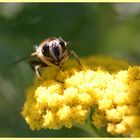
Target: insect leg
<point>36,65</point>
<point>76,56</point>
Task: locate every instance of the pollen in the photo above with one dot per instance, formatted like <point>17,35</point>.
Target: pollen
<point>107,89</point>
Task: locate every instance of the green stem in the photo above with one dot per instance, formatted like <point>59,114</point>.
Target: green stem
<point>88,128</point>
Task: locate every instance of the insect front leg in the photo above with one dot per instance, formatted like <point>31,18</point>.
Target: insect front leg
<point>76,56</point>
<point>37,71</point>
<point>36,65</point>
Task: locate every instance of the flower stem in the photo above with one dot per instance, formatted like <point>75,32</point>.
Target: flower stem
<point>89,128</point>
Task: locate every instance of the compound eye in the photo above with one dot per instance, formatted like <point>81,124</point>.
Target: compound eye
<point>45,50</point>
<point>62,43</point>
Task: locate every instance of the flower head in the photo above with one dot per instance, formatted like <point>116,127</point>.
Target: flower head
<point>108,85</point>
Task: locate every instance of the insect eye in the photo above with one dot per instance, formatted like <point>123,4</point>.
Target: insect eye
<point>62,43</point>
<point>45,51</point>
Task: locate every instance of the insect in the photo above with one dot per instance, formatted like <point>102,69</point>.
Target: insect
<point>52,51</point>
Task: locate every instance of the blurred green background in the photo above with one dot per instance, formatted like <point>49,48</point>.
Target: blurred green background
<point>93,28</point>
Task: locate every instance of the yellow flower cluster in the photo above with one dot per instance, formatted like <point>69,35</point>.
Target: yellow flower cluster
<point>118,106</point>
<point>108,85</point>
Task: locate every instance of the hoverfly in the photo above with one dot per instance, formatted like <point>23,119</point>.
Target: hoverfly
<point>52,51</point>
